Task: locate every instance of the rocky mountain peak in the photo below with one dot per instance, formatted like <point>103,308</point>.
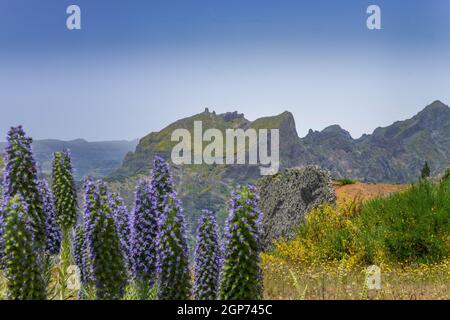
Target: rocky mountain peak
<point>337,130</point>
<point>333,132</point>
<point>434,114</point>
<point>231,116</point>
<point>437,105</point>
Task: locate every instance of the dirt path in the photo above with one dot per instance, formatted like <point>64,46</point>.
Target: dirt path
<point>367,191</point>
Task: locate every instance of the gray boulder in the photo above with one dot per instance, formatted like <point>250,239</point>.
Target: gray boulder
<point>287,196</point>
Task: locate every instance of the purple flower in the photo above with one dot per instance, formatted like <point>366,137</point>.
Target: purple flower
<point>81,254</point>
<point>144,231</point>
<point>23,268</point>
<point>123,224</point>
<point>173,262</point>
<point>52,229</point>
<point>207,258</point>
<point>20,177</point>
<point>242,248</point>
<point>106,259</point>
<point>64,190</point>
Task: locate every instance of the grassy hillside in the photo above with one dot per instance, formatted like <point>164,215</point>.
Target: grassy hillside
<point>406,234</point>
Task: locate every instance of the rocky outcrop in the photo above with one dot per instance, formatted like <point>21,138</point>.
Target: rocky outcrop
<point>287,196</point>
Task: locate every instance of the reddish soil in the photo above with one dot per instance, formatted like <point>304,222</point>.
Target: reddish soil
<point>366,191</point>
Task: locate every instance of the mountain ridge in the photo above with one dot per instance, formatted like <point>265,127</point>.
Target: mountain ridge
<point>366,158</point>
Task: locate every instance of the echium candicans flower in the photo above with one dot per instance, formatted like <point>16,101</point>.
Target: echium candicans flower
<point>52,229</point>
<point>161,181</point>
<point>64,190</point>
<point>2,232</point>
<point>207,258</point>
<point>23,271</point>
<point>173,259</point>
<point>2,240</point>
<point>107,262</point>
<point>81,243</point>
<point>241,273</point>
<point>81,254</point>
<point>122,219</point>
<point>20,177</point>
<point>144,232</point>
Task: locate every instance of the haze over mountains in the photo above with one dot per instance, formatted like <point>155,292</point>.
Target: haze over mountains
<point>98,159</point>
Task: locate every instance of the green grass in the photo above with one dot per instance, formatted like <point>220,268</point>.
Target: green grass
<point>345,181</point>
<point>410,226</point>
<point>407,234</point>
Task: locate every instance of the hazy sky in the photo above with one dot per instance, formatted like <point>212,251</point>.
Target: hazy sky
<point>137,66</point>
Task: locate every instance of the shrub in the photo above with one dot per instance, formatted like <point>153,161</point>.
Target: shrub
<point>173,259</point>
<point>241,275</point>
<point>207,258</point>
<point>446,175</point>
<point>425,173</point>
<point>409,226</point>
<point>345,181</point>
<point>24,273</point>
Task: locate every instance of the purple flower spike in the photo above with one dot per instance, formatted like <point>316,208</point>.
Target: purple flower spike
<point>52,229</point>
<point>207,258</point>
<point>242,248</point>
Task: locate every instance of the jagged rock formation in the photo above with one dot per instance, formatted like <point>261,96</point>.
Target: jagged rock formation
<point>392,154</point>
<point>287,196</point>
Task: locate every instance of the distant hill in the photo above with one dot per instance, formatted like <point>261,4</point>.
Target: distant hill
<point>98,159</point>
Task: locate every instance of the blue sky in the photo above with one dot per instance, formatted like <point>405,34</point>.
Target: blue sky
<point>139,65</point>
